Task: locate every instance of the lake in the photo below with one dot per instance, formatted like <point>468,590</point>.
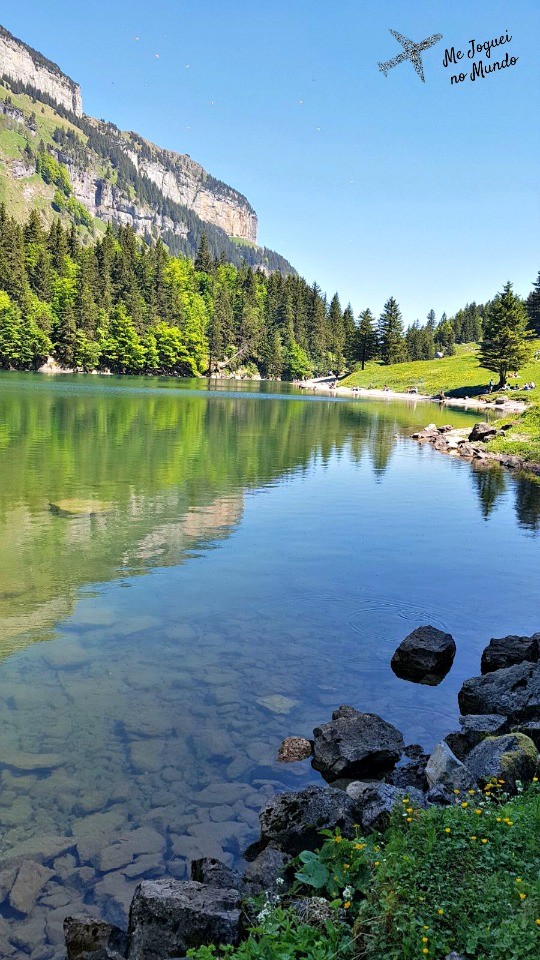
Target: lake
<point>249,560</point>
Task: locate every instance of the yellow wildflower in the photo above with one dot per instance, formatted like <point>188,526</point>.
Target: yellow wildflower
<point>464,804</point>
<point>425,950</point>
<point>538,921</point>
<point>447,830</point>
<point>535,780</point>
<point>472,792</point>
<point>473,837</point>
<point>377,863</point>
<point>347,904</point>
<point>523,896</point>
<point>484,840</point>
<point>338,839</point>
<point>518,880</point>
<point>440,912</point>
<point>425,940</point>
<point>456,790</point>
<point>409,819</point>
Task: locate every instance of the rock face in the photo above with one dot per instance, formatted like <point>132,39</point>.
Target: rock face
<point>513,692</point>
<point>425,656</point>
<point>168,917</point>
<point>356,745</point>
<point>507,651</point>
<point>90,939</point>
<point>511,757</point>
<point>22,63</point>
<point>293,821</point>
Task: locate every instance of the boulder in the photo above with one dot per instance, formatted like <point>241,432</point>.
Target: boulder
<point>444,769</point>
<point>531,729</point>
<point>511,757</point>
<point>513,692</point>
<point>474,728</point>
<point>506,651</point>
<point>90,939</point>
<point>425,656</point>
<point>265,871</point>
<point>293,820</point>
<point>410,773</point>
<point>376,801</point>
<point>356,745</point>
<point>482,431</point>
<point>294,748</point>
<point>168,917</point>
<point>215,873</point>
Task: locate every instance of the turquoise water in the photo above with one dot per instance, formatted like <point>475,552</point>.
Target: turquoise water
<point>250,560</point>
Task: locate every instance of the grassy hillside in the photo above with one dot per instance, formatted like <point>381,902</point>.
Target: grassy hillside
<point>459,376</point>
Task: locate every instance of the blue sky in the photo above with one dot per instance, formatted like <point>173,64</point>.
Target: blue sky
<point>373,186</point>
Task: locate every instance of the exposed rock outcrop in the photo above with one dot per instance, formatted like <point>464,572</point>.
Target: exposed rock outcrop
<point>506,651</point>
<point>22,63</point>
<point>513,692</point>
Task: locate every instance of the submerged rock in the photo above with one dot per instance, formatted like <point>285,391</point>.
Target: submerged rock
<point>356,745</point>
<point>293,820</point>
<point>513,692</point>
<point>293,749</point>
<point>31,878</point>
<point>90,939</point>
<point>276,703</point>
<point>168,917</point>
<point>75,507</point>
<point>425,656</point>
<point>511,757</point>
<point>506,651</point>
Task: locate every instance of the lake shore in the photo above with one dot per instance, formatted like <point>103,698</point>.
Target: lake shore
<point>325,386</point>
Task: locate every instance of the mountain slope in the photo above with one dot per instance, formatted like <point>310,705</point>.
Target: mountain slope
<point>107,175</point>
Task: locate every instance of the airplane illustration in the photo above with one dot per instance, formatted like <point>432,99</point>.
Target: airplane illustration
<point>412,52</point>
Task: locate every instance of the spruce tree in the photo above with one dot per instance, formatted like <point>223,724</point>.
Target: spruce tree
<point>366,338</point>
<point>390,334</point>
<point>349,335</point>
<point>533,307</point>
<point>505,342</point>
<point>336,332</point>
<point>203,259</point>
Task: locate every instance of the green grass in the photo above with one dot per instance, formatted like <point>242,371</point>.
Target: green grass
<point>12,143</point>
<point>523,439</point>
<point>459,376</point>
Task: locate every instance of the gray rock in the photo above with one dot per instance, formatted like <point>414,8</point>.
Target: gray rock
<point>482,431</point>
<point>506,651</point>
<point>444,769</point>
<point>513,692</point>
<point>375,803</point>
<point>474,728</point>
<point>425,656</point>
<point>532,730</point>
<point>356,745</point>
<point>215,873</point>
<point>440,796</point>
<point>293,820</point>
<point>410,774</point>
<point>30,881</point>
<point>264,872</point>
<point>90,939</point>
<point>511,757</point>
<point>168,917</point>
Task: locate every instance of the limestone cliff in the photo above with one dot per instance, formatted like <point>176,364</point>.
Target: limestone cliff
<point>20,62</point>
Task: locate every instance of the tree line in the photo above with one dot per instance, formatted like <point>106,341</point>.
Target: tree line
<point>130,307</point>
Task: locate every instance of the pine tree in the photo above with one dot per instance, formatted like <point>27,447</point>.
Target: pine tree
<point>533,307</point>
<point>505,342</point>
<point>390,334</point>
<point>431,319</point>
<point>336,333</point>
<point>366,338</point>
<point>349,335</point>
<point>203,259</point>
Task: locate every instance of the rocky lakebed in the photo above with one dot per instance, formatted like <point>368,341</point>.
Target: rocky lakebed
<point>367,768</point>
